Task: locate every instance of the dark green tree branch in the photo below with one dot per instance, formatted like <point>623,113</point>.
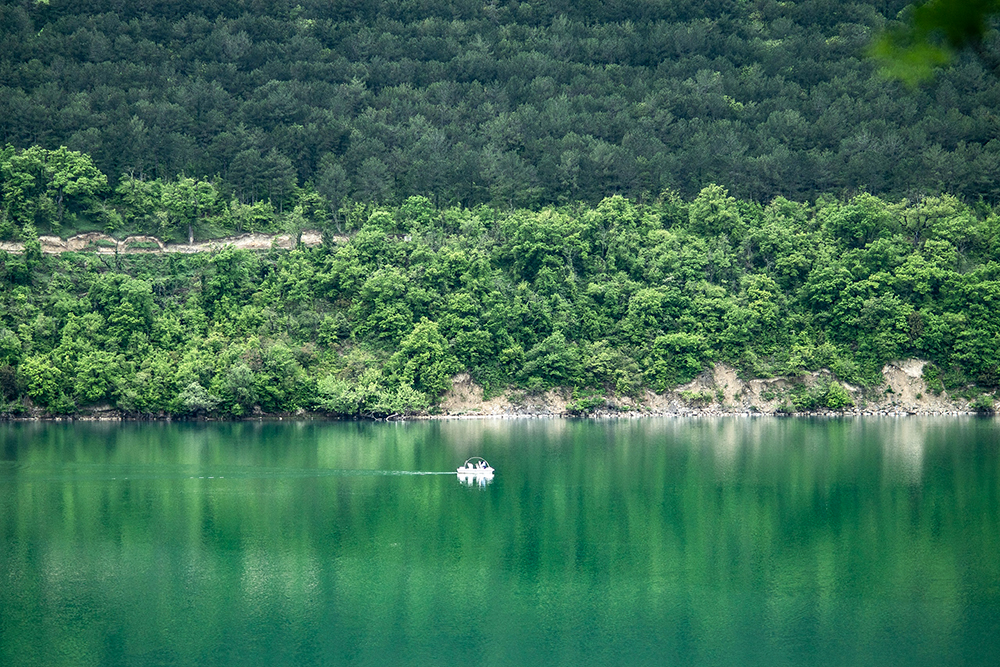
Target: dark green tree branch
<point>934,33</point>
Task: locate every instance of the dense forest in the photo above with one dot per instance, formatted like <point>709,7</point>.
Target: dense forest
<point>469,102</point>
<point>606,197</point>
<point>606,300</point>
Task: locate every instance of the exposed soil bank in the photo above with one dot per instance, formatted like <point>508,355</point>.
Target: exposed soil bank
<point>718,392</point>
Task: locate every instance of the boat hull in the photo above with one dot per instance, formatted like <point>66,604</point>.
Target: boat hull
<point>480,479</point>
<point>475,471</point>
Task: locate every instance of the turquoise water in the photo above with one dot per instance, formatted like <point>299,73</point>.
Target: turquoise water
<point>660,541</point>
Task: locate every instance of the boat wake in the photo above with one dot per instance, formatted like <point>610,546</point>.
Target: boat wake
<point>102,472</point>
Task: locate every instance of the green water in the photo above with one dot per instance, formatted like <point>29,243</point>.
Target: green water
<point>687,542</point>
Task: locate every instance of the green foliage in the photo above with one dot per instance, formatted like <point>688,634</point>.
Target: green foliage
<point>43,379</point>
<point>423,361</point>
<point>698,398</point>
<point>187,202</point>
<point>611,300</point>
<point>932,376</point>
<point>516,105</point>
<point>933,34</point>
<point>339,396</point>
<point>400,401</point>
<point>674,359</point>
<point>983,404</point>
<point>823,394</point>
<point>552,362</point>
<point>805,398</point>
<point>196,400</point>
<point>10,347</point>
<point>837,398</point>
<point>369,396</point>
<point>610,369</point>
<point>237,388</point>
<point>714,212</point>
<point>863,220</point>
<point>9,383</point>
<point>96,375</point>
<point>585,402</point>
<point>40,187</point>
<point>126,304</point>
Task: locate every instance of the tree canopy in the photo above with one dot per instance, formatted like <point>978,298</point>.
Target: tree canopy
<point>611,299</point>
<point>521,104</point>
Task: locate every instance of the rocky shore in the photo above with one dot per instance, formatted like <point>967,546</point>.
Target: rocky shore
<point>718,392</point>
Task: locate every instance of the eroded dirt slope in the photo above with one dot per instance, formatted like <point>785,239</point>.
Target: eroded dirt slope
<point>718,391</point>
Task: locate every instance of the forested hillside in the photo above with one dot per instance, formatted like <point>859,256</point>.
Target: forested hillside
<point>603,196</point>
<point>508,103</point>
<point>607,300</point>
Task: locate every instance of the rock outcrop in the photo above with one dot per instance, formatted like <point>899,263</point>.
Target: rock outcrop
<point>720,391</point>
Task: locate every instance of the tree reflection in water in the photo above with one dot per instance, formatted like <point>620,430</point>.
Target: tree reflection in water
<point>699,541</point>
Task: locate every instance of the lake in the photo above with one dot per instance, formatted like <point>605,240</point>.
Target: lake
<point>750,541</point>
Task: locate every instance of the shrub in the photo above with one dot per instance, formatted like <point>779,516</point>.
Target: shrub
<point>983,404</point>
<point>932,376</point>
<point>586,402</point>
<point>837,398</point>
<point>697,397</point>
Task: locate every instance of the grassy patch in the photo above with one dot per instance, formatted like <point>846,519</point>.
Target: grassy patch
<point>697,398</point>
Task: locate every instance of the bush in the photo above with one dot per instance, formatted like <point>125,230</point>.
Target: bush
<point>932,376</point>
<point>195,399</point>
<point>674,359</point>
<point>586,402</point>
<point>9,385</point>
<point>804,399</point>
<point>983,404</point>
<point>837,398</point>
<point>402,401</point>
<point>697,397</point>
<point>830,395</point>
<point>552,362</point>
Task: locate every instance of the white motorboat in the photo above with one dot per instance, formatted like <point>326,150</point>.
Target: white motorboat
<point>475,471</point>
<point>476,465</point>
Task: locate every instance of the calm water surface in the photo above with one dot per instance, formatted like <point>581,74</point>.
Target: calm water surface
<point>688,542</point>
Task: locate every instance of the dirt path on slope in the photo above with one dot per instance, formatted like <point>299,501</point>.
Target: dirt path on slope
<point>105,244</point>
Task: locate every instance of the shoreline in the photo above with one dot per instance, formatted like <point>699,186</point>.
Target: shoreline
<point>717,392</point>
<point>115,416</point>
